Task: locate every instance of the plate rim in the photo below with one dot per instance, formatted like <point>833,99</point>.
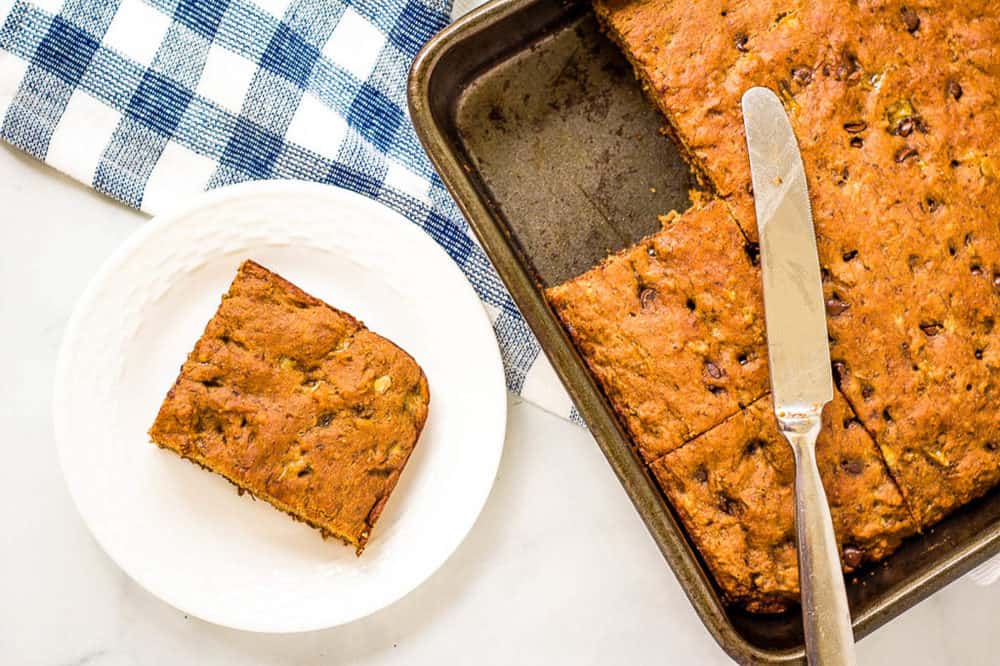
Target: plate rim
<point>220,196</point>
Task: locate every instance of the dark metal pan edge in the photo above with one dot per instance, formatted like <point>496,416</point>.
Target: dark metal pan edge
<point>456,171</point>
<point>451,166</point>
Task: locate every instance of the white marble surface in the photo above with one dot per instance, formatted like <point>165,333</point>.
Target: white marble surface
<point>558,569</point>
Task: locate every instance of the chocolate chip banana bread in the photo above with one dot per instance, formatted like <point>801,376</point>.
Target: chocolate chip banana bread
<point>297,403</point>
<point>894,105</point>
<point>733,488</point>
<point>895,108</point>
<point>673,328</point>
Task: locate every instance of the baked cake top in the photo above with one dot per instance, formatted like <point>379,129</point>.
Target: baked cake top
<point>895,108</point>
<point>734,489</point>
<point>673,327</point>
<point>297,403</point>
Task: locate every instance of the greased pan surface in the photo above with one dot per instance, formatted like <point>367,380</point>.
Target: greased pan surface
<point>543,136</point>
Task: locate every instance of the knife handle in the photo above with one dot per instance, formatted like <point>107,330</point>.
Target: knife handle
<point>826,617</point>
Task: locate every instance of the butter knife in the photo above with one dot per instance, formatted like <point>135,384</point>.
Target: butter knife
<point>799,360</point>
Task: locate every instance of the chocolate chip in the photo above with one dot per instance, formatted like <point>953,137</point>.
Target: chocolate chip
<point>690,304</point>
<point>991,446</point>
<point>867,391</point>
<point>742,359</point>
<point>852,467</point>
<point>887,415</point>
<point>651,251</point>
<point>850,255</point>
<point>363,411</point>
<point>324,419</point>
<point>701,474</point>
<point>979,354</point>
<point>976,269</point>
<point>904,127</point>
<point>753,445</point>
<point>305,471</point>
<point>932,204</point>
<point>753,253</point>
<point>715,390</point>
<point>932,329</point>
<point>849,68</point>
<point>728,505</point>
<point>839,371</point>
<point>954,89</point>
<point>853,556</point>
<point>836,307</point>
<point>905,153</point>
<point>802,75</point>
<point>857,142</point>
<point>714,371</point>
<point>741,43</point>
<point>856,126</point>
<point>850,422</point>
<point>910,19</point>
<point>647,296</point>
<point>954,164</point>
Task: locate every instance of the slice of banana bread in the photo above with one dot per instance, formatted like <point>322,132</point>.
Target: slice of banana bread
<point>673,328</point>
<point>297,403</point>
<point>734,490</point>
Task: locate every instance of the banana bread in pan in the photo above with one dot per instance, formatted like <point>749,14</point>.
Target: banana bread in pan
<point>895,107</point>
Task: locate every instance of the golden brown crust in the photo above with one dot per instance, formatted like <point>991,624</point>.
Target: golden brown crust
<point>297,403</point>
<point>733,489</point>
<point>894,106</point>
<point>673,328</point>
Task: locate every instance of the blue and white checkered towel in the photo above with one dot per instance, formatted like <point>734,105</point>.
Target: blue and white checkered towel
<point>152,101</point>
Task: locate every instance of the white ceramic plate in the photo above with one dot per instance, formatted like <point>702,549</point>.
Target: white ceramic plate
<point>182,532</point>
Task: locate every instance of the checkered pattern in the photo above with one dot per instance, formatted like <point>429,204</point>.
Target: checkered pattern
<point>151,101</point>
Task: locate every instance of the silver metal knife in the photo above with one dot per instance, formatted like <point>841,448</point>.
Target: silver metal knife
<point>799,360</point>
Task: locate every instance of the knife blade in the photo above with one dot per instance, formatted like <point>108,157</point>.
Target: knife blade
<point>794,311</point>
<point>799,359</point>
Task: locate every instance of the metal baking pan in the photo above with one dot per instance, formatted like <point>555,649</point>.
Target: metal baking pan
<point>541,133</point>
